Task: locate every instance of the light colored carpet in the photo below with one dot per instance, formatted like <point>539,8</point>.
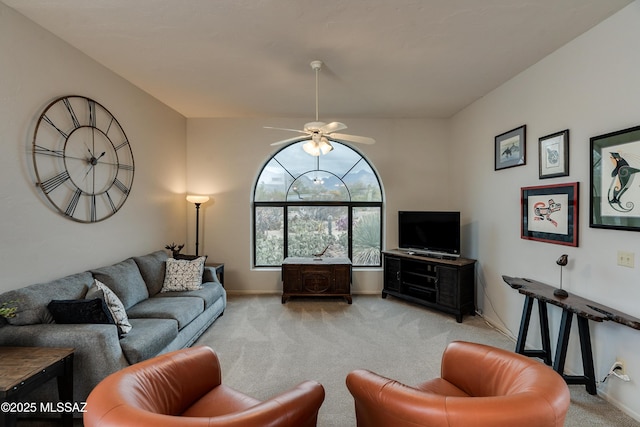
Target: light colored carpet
<point>266,347</point>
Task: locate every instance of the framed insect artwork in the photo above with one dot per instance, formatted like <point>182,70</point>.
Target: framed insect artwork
<point>553,155</point>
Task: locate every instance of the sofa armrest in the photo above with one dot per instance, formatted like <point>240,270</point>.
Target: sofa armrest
<point>97,350</point>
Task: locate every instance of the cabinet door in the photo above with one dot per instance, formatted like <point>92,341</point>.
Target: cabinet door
<point>448,287</point>
<point>392,273</point>
<point>342,279</point>
<point>316,280</point>
<point>291,278</point>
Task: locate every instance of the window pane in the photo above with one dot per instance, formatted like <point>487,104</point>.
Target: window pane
<point>295,160</point>
<point>363,183</point>
<point>273,183</point>
<point>339,160</point>
<point>318,186</point>
<point>312,229</point>
<point>366,236</point>
<point>269,228</point>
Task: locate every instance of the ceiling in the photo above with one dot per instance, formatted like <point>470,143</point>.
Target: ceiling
<point>382,58</point>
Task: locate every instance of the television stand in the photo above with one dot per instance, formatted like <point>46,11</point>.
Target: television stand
<point>447,285</point>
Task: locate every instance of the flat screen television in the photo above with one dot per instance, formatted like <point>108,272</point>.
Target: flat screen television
<point>433,233</point>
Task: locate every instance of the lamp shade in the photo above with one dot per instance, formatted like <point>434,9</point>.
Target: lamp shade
<point>197,199</point>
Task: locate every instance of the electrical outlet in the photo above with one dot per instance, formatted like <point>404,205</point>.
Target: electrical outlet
<point>619,367</point>
<point>626,259</point>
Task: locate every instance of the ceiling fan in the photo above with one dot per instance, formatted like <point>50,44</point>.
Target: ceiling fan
<point>320,134</point>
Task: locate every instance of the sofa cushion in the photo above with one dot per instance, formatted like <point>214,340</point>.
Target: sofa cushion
<point>147,338</point>
<point>209,293</point>
<point>152,268</point>
<point>116,308</point>
<point>183,275</point>
<point>125,280</point>
<point>78,311</point>
<point>31,301</point>
<point>181,309</point>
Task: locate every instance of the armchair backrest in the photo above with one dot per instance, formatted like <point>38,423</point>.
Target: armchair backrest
<point>165,385</point>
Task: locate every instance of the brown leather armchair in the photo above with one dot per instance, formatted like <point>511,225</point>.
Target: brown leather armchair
<point>480,386</point>
<point>184,388</point>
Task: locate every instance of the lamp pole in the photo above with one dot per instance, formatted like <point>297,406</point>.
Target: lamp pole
<point>197,200</point>
<point>197,225</point>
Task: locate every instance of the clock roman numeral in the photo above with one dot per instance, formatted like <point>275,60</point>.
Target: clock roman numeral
<point>109,127</point>
<point>92,112</point>
<point>74,118</point>
<point>125,167</point>
<point>52,183</point>
<point>48,120</point>
<point>47,152</point>
<point>124,144</point>
<point>73,204</point>
<point>121,186</point>
<point>111,204</point>
<point>93,208</point>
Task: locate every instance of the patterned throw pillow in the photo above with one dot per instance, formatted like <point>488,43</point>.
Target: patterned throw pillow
<point>115,307</point>
<point>183,275</point>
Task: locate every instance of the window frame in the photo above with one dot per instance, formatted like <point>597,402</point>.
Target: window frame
<point>286,204</point>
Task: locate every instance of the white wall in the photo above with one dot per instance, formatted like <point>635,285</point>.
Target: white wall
<point>226,155</point>
<point>589,86</point>
<point>38,244</point>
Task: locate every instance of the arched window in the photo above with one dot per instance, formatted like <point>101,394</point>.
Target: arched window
<point>304,205</point>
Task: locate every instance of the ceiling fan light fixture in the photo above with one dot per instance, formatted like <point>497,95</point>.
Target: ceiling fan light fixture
<point>317,148</point>
<point>318,131</point>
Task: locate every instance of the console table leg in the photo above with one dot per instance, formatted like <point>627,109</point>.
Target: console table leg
<point>563,342</point>
<point>544,332</point>
<point>587,355</point>
<point>524,324</point>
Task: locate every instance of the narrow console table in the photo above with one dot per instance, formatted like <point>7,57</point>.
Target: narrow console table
<point>23,369</point>
<point>583,308</point>
<point>316,277</point>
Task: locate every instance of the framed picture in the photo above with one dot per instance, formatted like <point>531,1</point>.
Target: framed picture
<point>511,148</point>
<point>553,154</point>
<point>615,194</point>
<point>550,213</point>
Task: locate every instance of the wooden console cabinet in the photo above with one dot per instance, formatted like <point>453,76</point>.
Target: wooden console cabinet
<point>447,285</point>
<point>316,277</point>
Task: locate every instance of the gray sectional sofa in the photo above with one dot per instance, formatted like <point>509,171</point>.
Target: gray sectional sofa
<point>161,321</point>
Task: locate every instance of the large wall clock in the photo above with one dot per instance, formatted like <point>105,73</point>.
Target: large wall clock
<point>82,159</point>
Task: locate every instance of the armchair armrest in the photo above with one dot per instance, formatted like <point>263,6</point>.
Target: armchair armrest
<point>383,401</point>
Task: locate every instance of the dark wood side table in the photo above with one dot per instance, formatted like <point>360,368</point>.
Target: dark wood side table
<point>316,277</point>
<point>583,308</point>
<point>219,268</point>
<point>23,369</point>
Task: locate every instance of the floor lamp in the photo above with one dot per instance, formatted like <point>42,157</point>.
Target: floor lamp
<point>197,200</point>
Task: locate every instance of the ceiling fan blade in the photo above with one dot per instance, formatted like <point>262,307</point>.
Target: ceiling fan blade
<point>290,130</point>
<point>292,140</point>
<point>332,127</point>
<point>342,137</point>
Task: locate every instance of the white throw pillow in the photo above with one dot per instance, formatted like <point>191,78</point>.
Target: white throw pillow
<point>115,307</point>
<point>183,275</point>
